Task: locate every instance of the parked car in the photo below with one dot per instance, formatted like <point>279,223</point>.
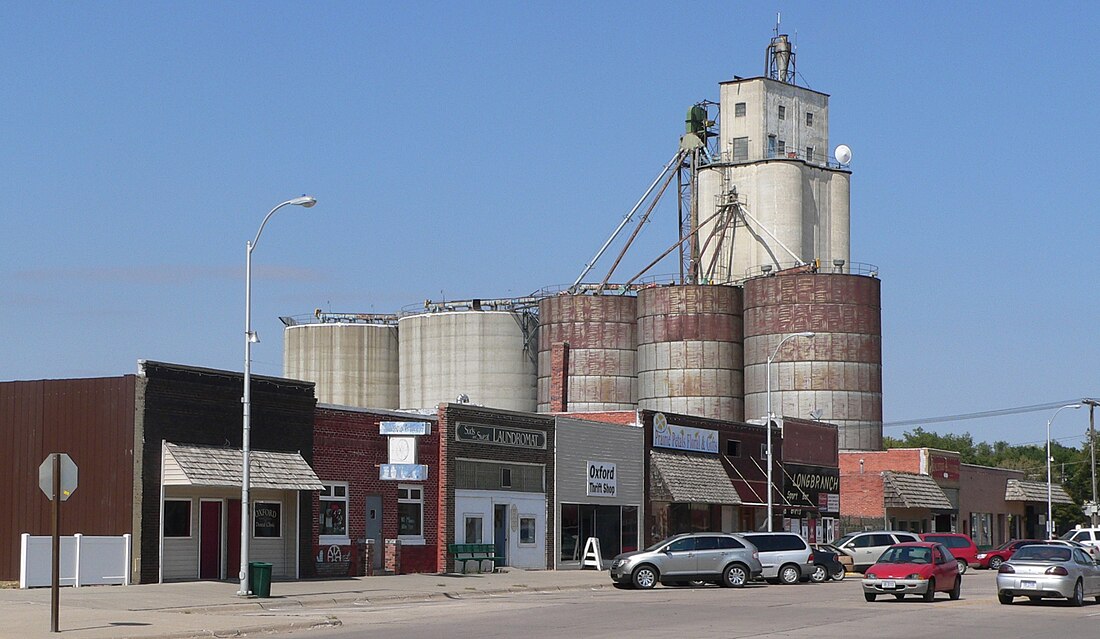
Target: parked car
<point>827,564</point>
<point>722,558</point>
<point>1084,535</point>
<point>786,557</point>
<point>1041,571</point>
<point>1091,551</point>
<point>865,547</point>
<point>962,548</point>
<point>913,568</point>
<point>993,559</point>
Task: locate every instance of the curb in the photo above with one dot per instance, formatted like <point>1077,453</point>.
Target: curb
<point>270,628</point>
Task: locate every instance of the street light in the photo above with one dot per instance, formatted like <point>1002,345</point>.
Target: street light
<point>1050,503</point>
<point>769,418</point>
<point>249,338</point>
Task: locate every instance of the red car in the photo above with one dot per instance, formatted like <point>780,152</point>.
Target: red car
<point>993,559</point>
<point>961,546</point>
<point>913,568</point>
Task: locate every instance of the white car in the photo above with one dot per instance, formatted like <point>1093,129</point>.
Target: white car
<point>1082,535</point>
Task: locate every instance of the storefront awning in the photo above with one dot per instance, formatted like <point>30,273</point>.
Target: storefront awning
<point>682,477</point>
<point>1020,490</point>
<point>906,490</point>
<point>212,466</point>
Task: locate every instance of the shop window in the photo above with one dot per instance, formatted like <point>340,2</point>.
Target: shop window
<point>473,529</point>
<point>410,512</point>
<point>733,448</point>
<point>177,517</point>
<point>267,520</point>
<point>630,529</point>
<point>527,531</point>
<point>334,513</point>
<point>570,532</point>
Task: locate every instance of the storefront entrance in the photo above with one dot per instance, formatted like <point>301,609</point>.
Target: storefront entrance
<point>615,526</point>
<point>500,533</point>
<point>210,539</point>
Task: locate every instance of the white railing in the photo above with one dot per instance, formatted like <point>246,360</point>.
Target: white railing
<point>85,560</point>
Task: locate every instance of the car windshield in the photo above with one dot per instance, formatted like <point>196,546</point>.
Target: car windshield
<point>1006,545</point>
<point>662,543</point>
<point>843,540</point>
<point>1068,535</point>
<point>906,555</point>
<point>1042,553</point>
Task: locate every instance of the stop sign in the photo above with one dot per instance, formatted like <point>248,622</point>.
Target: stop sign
<point>68,476</point>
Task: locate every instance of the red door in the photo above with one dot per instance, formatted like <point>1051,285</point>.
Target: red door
<point>233,540</point>
<point>210,540</point>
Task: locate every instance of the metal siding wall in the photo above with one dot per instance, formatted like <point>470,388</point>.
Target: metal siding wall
<point>90,419</point>
<point>579,442</point>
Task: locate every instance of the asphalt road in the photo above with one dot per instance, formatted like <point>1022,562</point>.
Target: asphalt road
<point>833,609</point>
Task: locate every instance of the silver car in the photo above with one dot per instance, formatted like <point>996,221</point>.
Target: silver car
<point>785,556</point>
<point>1042,571</point>
<point>722,558</point>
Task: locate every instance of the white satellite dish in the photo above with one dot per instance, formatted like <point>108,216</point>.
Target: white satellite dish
<point>843,154</point>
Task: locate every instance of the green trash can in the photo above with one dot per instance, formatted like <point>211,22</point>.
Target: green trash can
<point>259,578</point>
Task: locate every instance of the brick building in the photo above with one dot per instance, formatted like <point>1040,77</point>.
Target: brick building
<point>497,473</point>
<point>365,501</point>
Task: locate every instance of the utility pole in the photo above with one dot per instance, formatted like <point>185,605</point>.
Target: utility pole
<point>1092,450</point>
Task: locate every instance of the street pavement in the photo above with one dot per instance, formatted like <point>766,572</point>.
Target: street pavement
<point>213,609</point>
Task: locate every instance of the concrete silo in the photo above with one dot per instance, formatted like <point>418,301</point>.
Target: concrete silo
<point>486,356</point>
<point>837,374</point>
<point>353,364</point>
<point>593,338</point>
<point>690,350</point>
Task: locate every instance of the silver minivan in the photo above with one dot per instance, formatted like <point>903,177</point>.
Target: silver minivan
<point>786,557</point>
<point>866,547</point>
<point>722,558</point>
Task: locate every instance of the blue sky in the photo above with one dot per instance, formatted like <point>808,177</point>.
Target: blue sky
<point>487,149</point>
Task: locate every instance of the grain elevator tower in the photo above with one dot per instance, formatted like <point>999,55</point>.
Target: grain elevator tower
<point>774,195</point>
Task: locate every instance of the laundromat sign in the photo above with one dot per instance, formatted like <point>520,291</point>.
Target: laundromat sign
<point>500,436</point>
<point>666,435</point>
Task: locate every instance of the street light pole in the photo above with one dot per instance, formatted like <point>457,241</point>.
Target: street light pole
<point>1094,515</point>
<point>1050,502</point>
<point>768,371</point>
<point>250,337</point>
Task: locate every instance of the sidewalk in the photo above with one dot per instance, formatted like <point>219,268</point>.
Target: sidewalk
<point>206,609</point>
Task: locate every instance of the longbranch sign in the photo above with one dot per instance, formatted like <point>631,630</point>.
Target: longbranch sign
<point>812,487</point>
<point>500,436</point>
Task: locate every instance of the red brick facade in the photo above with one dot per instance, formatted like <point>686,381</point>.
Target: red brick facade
<point>347,447</point>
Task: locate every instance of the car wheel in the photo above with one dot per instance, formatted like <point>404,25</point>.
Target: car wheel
<point>789,574</point>
<point>1004,599</point>
<point>963,566</point>
<point>1034,599</point>
<point>995,563</point>
<point>956,590</point>
<point>1078,598</point>
<point>838,575</point>
<point>899,596</point>
<point>869,596</point>
<point>930,594</point>
<point>819,575</point>
<point>735,576</point>
<point>644,577</point>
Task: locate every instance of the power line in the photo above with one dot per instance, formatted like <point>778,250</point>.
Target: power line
<point>1034,408</point>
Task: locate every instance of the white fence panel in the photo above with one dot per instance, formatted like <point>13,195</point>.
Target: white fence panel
<point>84,560</point>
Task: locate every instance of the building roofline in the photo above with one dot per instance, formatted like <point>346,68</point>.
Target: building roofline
<point>740,80</point>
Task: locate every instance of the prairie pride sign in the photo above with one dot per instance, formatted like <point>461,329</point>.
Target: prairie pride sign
<point>500,436</point>
<point>666,435</point>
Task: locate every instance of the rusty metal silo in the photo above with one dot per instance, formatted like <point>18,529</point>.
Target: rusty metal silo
<point>593,338</point>
<point>838,372</point>
<point>690,351</point>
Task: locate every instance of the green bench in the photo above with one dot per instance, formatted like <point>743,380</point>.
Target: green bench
<point>462,554</point>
